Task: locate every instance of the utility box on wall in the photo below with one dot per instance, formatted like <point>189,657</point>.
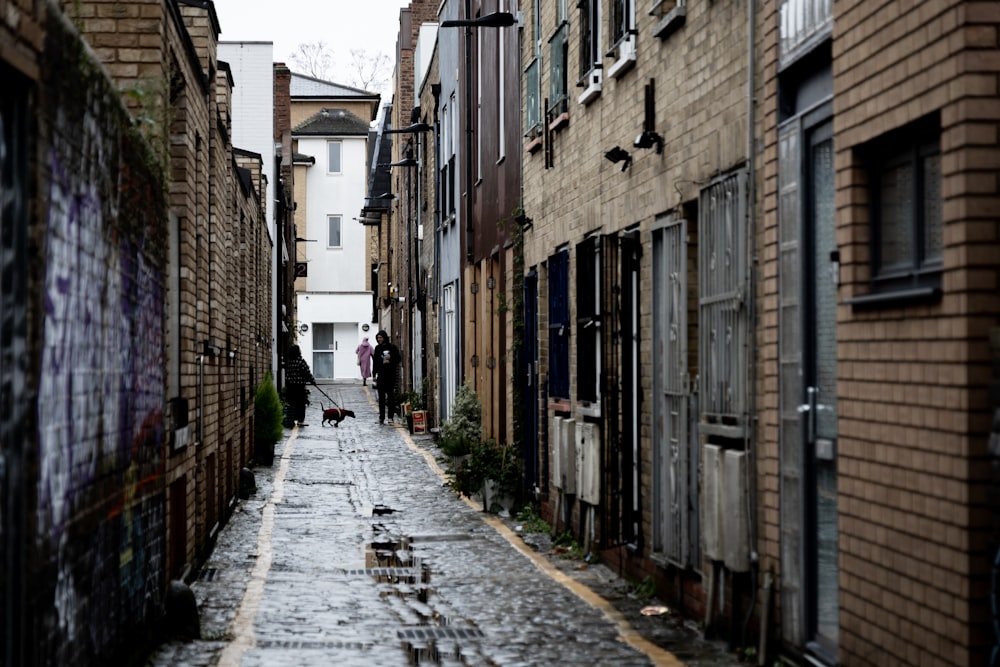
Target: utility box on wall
<point>564,454</point>
<point>588,467</point>
<point>725,515</point>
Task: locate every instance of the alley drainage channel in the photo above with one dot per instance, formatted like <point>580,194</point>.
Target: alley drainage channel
<point>401,573</point>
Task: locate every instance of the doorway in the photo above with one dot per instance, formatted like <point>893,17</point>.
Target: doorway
<point>819,390</point>
<point>333,351</point>
<point>808,362</point>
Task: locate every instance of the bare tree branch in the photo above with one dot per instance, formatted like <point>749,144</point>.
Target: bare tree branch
<point>314,59</point>
<point>371,72</point>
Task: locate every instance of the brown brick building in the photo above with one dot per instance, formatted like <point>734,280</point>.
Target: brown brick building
<point>135,337</point>
<point>759,283</point>
<point>881,249</point>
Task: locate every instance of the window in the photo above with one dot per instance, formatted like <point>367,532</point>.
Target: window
<point>590,36</point>
<point>533,93</point>
<point>447,173</point>
<point>904,175</point>
<point>558,55</point>
<point>333,157</point>
<point>590,50</point>
<point>623,34</point>
<point>588,319</point>
<point>559,325</point>
<point>722,317</point>
<point>333,231</point>
<point>622,20</point>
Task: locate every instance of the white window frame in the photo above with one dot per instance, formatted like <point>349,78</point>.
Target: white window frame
<point>340,157</point>
<point>340,231</point>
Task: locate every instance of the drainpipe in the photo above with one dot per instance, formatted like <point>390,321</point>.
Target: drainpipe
<point>752,324</point>
<point>201,400</point>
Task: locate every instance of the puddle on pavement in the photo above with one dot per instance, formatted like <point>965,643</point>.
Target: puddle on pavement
<point>427,638</point>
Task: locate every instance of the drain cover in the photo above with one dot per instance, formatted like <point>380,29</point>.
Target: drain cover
<point>386,572</point>
<point>440,633</point>
<point>307,644</point>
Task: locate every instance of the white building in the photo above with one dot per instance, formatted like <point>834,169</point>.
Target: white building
<point>252,67</point>
<point>330,126</point>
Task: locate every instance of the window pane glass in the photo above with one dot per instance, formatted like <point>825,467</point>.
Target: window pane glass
<point>932,208</point>
<point>334,233</point>
<point>334,162</point>
<point>533,91</point>
<point>895,214</point>
<point>557,70</point>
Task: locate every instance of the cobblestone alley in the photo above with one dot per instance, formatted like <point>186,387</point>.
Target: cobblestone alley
<point>353,551</point>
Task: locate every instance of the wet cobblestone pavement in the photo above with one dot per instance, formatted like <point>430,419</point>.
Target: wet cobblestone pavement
<point>353,551</point>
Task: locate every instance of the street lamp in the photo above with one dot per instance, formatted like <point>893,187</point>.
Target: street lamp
<point>412,129</point>
<point>494,20</point>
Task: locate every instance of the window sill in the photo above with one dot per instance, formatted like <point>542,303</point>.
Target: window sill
<point>893,298</point>
<point>559,122</point>
<point>592,92</point>
<point>670,23</point>
<point>533,145</point>
<point>622,65</point>
<point>559,405</point>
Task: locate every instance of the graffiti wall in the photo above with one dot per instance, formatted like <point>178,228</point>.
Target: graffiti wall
<point>13,354</point>
<point>98,513</point>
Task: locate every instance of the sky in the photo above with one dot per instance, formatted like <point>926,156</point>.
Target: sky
<point>343,25</point>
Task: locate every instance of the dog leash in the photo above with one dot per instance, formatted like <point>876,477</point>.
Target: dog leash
<point>327,395</point>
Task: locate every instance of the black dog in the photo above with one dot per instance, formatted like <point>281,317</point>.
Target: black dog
<point>336,415</point>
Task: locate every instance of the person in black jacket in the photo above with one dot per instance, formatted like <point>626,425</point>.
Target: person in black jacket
<point>297,376</point>
<point>386,364</point>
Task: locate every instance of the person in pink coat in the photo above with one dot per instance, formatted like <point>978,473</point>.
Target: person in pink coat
<point>364,351</point>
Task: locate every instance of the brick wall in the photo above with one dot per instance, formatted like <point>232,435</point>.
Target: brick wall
<point>96,555</point>
<point>914,409</point>
<point>699,78</point>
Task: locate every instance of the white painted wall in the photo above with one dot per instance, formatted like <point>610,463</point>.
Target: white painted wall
<point>335,269</point>
<point>252,66</point>
<point>335,285</point>
<point>353,309</point>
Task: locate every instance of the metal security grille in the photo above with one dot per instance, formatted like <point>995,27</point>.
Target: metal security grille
<point>800,21</point>
<point>789,382</point>
<point>671,536</point>
<point>723,316</point>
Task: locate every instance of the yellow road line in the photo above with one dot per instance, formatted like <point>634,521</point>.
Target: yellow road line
<point>626,632</point>
<point>244,637</point>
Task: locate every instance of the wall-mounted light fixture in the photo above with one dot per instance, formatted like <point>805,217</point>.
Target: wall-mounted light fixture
<point>299,239</point>
<point>523,221</point>
<point>619,154</point>
<point>649,139</point>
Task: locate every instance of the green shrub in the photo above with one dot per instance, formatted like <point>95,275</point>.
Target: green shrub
<point>464,426</point>
<point>531,520</point>
<point>267,429</point>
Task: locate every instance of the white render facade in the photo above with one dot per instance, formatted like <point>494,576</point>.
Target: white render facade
<point>334,305</point>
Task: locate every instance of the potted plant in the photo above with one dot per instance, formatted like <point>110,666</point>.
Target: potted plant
<point>412,401</point>
<point>463,427</point>
<point>267,430</point>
